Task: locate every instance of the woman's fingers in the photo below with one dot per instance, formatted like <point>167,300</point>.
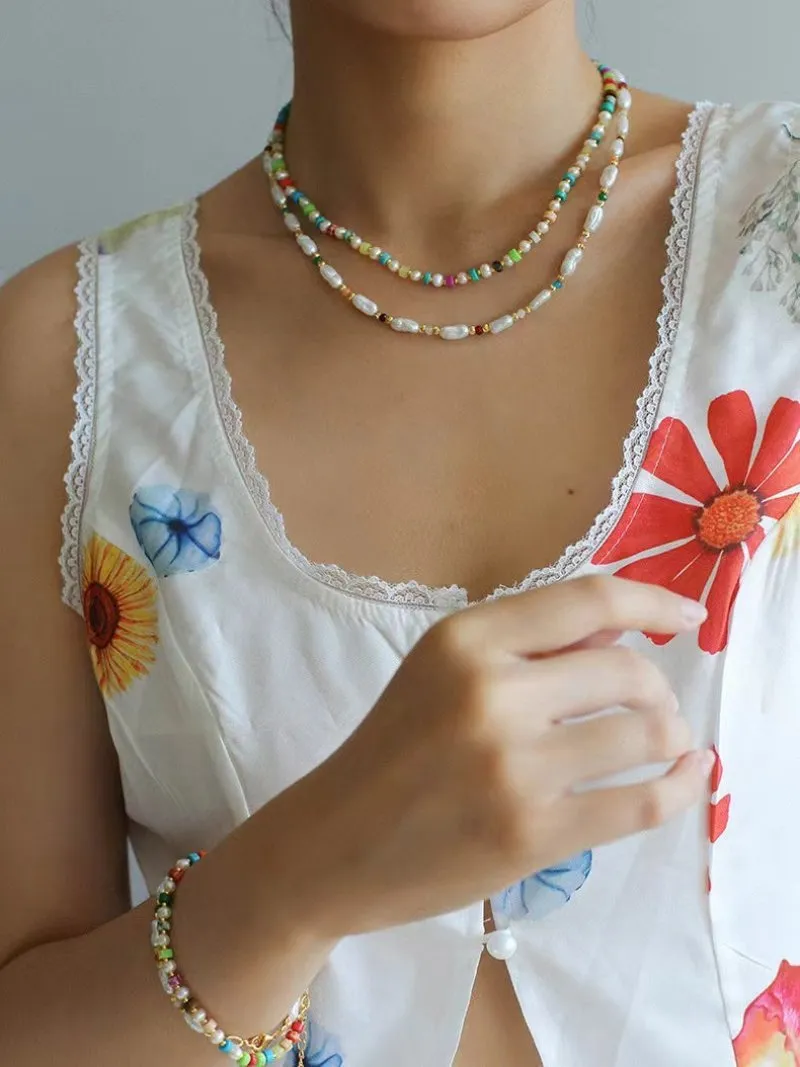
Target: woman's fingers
<point>576,684</point>
<point>605,815</point>
<point>562,615</point>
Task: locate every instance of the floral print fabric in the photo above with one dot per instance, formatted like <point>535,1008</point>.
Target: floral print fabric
<point>700,543</point>
<point>178,529</point>
<point>119,609</point>
<point>770,1034</point>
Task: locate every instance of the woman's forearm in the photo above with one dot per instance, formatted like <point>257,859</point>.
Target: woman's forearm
<point>244,938</point>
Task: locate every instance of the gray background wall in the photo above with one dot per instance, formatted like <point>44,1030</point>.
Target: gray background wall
<point>112,108</point>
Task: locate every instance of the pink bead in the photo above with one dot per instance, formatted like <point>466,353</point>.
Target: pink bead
<point>450,281</point>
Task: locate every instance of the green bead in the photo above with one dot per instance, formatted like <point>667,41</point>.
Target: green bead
<point>261,1059</point>
<point>165,898</point>
<point>558,284</point>
<point>278,164</point>
<point>166,954</point>
<point>515,255</point>
<point>308,208</point>
<point>602,196</point>
<point>316,260</point>
<point>474,275</point>
<point>244,1059</point>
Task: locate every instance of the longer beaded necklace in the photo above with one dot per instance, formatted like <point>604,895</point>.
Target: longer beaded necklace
<point>618,98</point>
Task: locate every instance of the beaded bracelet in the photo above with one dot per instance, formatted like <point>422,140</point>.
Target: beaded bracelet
<point>247,1052</point>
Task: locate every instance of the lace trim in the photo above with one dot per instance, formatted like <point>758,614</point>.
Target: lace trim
<point>413,593</point>
<point>82,436</point>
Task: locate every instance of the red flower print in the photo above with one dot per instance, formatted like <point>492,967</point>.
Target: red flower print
<point>770,1034</point>
<point>700,549</point>
<point>719,811</point>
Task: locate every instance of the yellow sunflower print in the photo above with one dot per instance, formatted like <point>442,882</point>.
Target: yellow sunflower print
<point>119,608</point>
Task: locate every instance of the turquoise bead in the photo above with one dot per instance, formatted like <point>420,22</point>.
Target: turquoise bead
<point>426,278</point>
<point>270,1054</point>
<point>570,178</point>
<point>558,284</point>
<point>474,275</point>
<point>384,258</point>
<point>226,1046</point>
<point>559,194</point>
<point>609,107</point>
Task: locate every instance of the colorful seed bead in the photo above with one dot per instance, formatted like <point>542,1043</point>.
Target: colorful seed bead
<point>249,1053</point>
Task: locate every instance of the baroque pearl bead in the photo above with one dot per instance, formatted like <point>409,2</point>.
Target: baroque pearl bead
<point>594,219</point>
<point>624,99</point>
<point>462,278</point>
<point>292,223</point>
<point>331,276</point>
<point>485,270</point>
<point>437,280</point>
<point>278,195</point>
<point>307,245</point>
<point>415,275</point>
<point>571,261</point>
<point>609,177</point>
<point>501,945</point>
<point>623,126</point>
<point>365,305</point>
<point>501,324</point>
<point>525,246</point>
<point>540,300</point>
<point>618,148</point>
<point>457,332</point>
<point>402,325</point>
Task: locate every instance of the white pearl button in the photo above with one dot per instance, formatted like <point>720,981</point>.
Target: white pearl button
<point>501,945</point>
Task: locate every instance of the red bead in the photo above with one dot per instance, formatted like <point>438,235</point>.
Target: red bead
<point>202,854</point>
<point>253,1059</point>
<point>177,875</point>
<point>479,330</point>
<point>298,1026</point>
<point>293,1037</point>
<point>284,182</point>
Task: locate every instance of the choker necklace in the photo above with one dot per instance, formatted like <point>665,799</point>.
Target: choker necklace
<point>285,194</point>
<point>615,96</point>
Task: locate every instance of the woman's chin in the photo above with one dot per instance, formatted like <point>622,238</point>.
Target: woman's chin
<point>442,20</point>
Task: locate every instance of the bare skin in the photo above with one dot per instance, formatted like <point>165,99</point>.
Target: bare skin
<point>468,467</point>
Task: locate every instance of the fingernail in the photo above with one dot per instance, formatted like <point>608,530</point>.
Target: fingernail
<point>693,613</point>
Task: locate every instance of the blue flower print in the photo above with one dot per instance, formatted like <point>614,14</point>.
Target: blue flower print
<point>321,1049</point>
<point>179,530</point>
<point>544,892</point>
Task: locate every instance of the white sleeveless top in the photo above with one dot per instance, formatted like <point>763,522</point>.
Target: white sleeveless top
<point>231,664</point>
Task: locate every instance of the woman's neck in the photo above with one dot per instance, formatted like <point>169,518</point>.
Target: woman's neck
<point>404,136</point>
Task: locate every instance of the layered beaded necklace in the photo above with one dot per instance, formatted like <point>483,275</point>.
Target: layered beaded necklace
<point>615,104</point>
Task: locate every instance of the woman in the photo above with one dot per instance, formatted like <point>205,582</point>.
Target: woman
<point>363,760</point>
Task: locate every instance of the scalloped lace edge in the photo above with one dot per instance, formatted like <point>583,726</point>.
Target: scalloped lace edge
<point>416,594</point>
<point>82,436</point>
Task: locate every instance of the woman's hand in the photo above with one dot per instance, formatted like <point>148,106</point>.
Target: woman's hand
<point>467,774</point>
